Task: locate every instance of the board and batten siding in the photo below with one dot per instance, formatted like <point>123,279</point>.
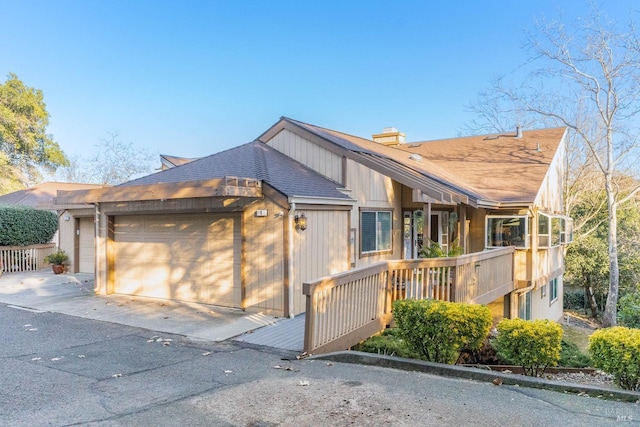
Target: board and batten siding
<point>373,190</point>
<point>550,197</point>
<point>320,250</point>
<point>309,154</point>
<point>263,257</point>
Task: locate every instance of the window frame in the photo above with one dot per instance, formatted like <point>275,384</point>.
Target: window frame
<point>556,231</point>
<point>553,290</point>
<point>524,306</point>
<point>566,234</point>
<point>377,237</point>
<point>547,235</point>
<point>526,239</point>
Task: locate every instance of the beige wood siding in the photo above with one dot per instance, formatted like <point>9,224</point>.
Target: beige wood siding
<point>373,190</point>
<point>86,262</point>
<point>320,250</point>
<point>264,257</point>
<point>550,196</point>
<point>187,257</point>
<point>309,154</point>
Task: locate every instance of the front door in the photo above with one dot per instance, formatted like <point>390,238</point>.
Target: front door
<point>413,229</point>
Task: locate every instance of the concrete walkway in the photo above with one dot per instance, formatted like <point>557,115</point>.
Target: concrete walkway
<point>72,294</point>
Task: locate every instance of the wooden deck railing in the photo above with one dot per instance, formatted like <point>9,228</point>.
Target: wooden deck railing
<point>349,307</point>
<point>24,258</point>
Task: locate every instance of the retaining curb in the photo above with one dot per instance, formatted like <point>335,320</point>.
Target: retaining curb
<point>361,358</point>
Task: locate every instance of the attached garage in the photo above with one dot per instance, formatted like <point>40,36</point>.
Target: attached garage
<point>187,257</point>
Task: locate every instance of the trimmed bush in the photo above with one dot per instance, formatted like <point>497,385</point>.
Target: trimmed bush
<point>629,310</point>
<point>24,226</point>
<point>616,351</point>
<point>440,330</point>
<point>534,345</point>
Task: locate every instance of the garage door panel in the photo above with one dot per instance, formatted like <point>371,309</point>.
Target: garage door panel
<point>190,257</point>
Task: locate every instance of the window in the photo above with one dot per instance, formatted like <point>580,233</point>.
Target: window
<point>544,230</point>
<point>375,231</point>
<point>524,306</point>
<point>556,229</point>
<point>566,234</point>
<point>553,289</point>
<point>508,230</point>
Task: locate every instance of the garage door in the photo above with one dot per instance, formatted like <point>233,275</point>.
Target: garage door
<point>86,245</point>
<point>187,257</point>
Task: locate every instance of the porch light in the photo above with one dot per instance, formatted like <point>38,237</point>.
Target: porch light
<point>301,221</point>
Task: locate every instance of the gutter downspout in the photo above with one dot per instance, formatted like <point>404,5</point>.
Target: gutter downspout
<point>290,253</point>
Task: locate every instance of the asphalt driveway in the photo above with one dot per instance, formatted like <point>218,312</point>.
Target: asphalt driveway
<point>72,294</point>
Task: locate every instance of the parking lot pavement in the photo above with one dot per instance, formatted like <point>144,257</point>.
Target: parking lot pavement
<point>60,370</point>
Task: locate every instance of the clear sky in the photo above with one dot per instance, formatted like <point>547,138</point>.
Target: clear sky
<point>191,78</point>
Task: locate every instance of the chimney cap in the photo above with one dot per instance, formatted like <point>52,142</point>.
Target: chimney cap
<point>389,129</point>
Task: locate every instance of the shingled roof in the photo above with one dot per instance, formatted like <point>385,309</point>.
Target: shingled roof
<point>501,167</point>
<point>252,160</point>
<point>41,196</point>
<point>493,169</point>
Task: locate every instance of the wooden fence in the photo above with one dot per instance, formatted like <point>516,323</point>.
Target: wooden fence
<point>347,308</point>
<point>24,258</point>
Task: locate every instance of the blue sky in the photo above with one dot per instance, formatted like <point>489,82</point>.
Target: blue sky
<point>191,78</point>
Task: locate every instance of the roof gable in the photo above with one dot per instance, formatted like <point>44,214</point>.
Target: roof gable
<point>487,169</point>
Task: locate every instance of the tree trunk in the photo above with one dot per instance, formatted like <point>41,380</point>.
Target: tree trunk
<point>611,308</point>
<point>591,299</point>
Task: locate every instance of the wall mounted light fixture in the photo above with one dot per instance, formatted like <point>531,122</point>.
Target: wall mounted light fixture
<point>301,221</point>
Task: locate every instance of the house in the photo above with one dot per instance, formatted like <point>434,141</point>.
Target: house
<point>41,197</point>
<point>248,226</point>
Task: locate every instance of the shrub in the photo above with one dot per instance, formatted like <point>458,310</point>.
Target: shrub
<point>57,258</point>
<point>629,310</point>
<point>24,226</point>
<point>440,330</point>
<point>574,300</point>
<point>572,357</point>
<point>534,345</point>
<point>388,343</point>
<point>616,351</point>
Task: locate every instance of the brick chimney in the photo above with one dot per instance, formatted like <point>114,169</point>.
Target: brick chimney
<point>390,136</point>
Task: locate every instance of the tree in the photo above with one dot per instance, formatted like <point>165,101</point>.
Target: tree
<point>25,147</point>
<point>113,163</point>
<point>585,76</point>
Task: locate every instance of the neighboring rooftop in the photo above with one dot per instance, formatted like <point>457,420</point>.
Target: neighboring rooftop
<point>41,196</point>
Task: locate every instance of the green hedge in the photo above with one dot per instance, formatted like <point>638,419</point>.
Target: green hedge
<point>440,330</point>
<point>616,351</point>
<point>629,310</point>
<point>24,226</point>
<point>534,345</point>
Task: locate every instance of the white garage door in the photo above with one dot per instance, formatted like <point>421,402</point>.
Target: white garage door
<point>187,257</point>
<point>86,246</point>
